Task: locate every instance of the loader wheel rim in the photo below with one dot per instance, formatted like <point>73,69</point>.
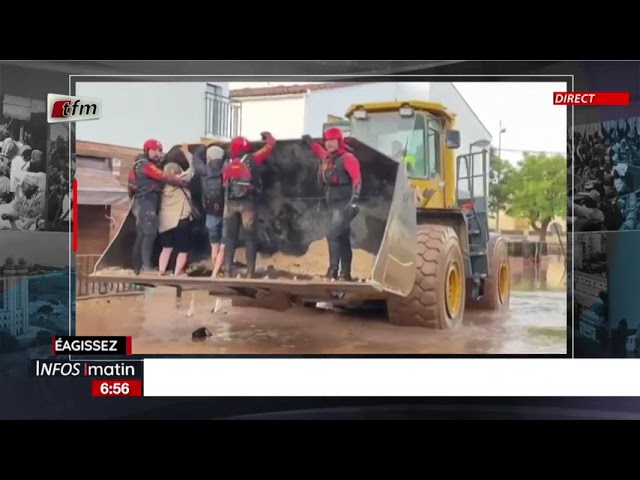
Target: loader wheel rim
<point>503,281</point>
<point>453,289</point>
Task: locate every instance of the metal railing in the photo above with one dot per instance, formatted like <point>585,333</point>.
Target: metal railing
<point>222,116</point>
<point>87,287</point>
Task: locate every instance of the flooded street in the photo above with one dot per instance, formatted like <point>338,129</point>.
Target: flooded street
<point>162,324</point>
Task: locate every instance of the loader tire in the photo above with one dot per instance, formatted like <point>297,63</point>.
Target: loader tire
<point>497,287</point>
<point>438,296</point>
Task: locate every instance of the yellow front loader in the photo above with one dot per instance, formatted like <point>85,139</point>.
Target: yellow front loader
<point>422,246</point>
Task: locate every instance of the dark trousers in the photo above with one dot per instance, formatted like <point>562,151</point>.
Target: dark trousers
<point>145,211</point>
<point>339,239</point>
<point>236,213</point>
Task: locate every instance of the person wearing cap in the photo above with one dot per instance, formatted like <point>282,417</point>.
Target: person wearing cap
<point>146,181</point>
<point>339,174</point>
<point>208,163</point>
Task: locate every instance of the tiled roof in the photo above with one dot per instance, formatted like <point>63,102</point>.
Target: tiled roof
<point>287,89</point>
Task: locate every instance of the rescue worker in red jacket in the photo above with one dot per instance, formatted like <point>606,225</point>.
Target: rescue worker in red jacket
<point>146,180</point>
<point>242,181</point>
<point>339,174</point>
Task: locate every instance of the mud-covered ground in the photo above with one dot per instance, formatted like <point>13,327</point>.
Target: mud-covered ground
<point>162,324</point>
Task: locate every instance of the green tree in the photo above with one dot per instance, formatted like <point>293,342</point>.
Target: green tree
<point>499,194</point>
<point>537,191</point>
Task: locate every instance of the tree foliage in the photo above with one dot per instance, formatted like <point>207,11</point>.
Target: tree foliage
<point>537,190</point>
<point>499,194</point>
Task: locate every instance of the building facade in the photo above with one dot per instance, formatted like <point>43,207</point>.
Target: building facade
<point>294,110</point>
<point>14,296</point>
<point>587,246</point>
<point>103,202</point>
<point>588,288</point>
<point>172,112</point>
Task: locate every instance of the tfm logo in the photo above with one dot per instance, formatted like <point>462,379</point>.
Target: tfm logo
<point>63,108</point>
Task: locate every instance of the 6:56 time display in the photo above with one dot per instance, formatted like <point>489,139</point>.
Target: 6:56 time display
<point>116,388</point>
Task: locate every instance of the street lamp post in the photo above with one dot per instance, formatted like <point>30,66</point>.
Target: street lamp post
<point>502,130</point>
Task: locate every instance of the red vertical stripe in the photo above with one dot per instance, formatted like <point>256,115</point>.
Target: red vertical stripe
<point>74,206</point>
<point>129,346</point>
<point>53,345</point>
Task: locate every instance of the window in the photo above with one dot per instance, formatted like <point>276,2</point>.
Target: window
<point>417,166</point>
<point>404,139</point>
<point>434,152</point>
<point>2,290</point>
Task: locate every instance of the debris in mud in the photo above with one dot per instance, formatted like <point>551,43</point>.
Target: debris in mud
<point>325,306</point>
<point>266,300</point>
<point>201,334</point>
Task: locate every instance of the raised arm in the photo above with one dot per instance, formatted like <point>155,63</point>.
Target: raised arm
<point>263,153</point>
<point>318,149</point>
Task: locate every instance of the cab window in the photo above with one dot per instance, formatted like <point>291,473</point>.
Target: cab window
<point>434,153</point>
<point>416,156</point>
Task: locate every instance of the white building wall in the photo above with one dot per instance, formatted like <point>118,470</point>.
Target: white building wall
<point>470,126</point>
<point>290,116</point>
<point>172,112</point>
<point>336,101</point>
<point>282,115</point>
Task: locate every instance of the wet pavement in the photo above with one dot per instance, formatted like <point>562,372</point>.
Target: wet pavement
<point>160,323</point>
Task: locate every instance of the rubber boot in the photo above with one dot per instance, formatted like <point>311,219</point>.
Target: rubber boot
<point>346,256</point>
<point>345,273</point>
<point>252,253</point>
<point>334,259</point>
<point>229,253</point>
<point>232,231</point>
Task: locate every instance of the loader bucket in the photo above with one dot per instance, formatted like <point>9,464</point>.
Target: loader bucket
<point>293,223</point>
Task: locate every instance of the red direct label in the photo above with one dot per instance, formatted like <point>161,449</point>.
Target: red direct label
<point>591,98</point>
<point>116,388</point>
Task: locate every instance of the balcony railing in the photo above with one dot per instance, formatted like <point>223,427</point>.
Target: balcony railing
<point>222,116</point>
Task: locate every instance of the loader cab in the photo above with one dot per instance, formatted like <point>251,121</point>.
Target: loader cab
<point>417,135</point>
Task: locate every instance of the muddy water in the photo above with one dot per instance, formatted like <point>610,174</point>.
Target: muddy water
<point>162,324</point>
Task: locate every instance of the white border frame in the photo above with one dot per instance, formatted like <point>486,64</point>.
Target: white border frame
<point>355,377</point>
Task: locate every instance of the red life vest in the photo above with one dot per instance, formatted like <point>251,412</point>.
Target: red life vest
<point>240,178</point>
<point>138,183</point>
<point>332,172</point>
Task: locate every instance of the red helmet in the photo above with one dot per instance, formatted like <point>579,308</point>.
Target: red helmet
<point>333,133</point>
<point>239,145</point>
<point>152,144</point>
